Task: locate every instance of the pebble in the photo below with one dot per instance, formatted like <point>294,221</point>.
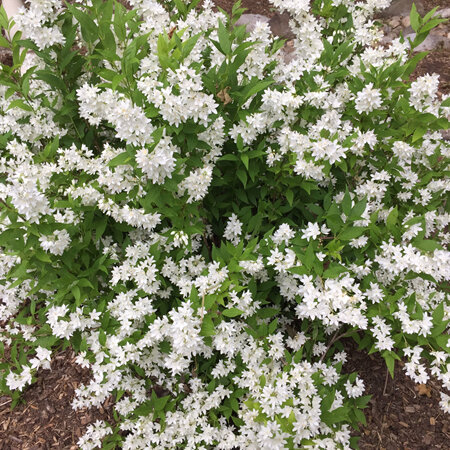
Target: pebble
<point>406,22</point>
<point>394,22</point>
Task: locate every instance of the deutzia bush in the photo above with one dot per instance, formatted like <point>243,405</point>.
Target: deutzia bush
<point>204,219</point>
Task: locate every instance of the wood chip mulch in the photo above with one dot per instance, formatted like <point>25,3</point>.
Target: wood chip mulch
<point>46,419</point>
<point>401,415</point>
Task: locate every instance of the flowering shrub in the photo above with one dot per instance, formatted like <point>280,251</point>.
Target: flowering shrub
<point>204,219</point>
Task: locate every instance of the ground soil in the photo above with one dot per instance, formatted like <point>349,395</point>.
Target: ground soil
<point>400,415</point>
<point>45,419</point>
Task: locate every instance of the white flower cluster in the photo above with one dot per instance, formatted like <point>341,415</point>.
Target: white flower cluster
<point>130,122</point>
<point>55,243</point>
<point>34,21</point>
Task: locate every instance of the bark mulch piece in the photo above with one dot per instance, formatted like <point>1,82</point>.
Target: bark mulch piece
<point>401,414</point>
<point>46,420</point>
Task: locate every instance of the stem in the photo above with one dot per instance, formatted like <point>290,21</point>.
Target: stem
<point>203,307</point>
<point>333,340</point>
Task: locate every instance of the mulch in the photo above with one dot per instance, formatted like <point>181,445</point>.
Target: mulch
<point>400,415</point>
<point>45,419</point>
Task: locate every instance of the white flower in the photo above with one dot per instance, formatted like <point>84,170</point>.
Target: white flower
<point>368,99</point>
<point>197,183</point>
<point>19,381</point>
<point>233,229</point>
<point>355,390</point>
<point>445,402</point>
<point>359,242</point>
<point>311,231</point>
<point>42,359</point>
<point>56,242</point>
<point>283,234</point>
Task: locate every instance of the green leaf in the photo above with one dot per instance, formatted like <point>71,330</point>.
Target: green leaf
<point>119,22</point>
<point>334,270</point>
<point>242,175</point>
<point>4,42</point>
<point>100,226</point>
<point>391,220</point>
<point>265,313</point>
<point>51,79</point>
<point>390,362</point>
<point>160,402</point>
<point>224,38</point>
<point>119,160</point>
<point>42,256</point>
<point>418,133</point>
<point>244,159</point>
<point>428,245</point>
<point>189,45</point>
<point>414,18</point>
<point>346,203</point>
<point>309,257</point>
<point>351,233</point>
<point>232,312</point>
<point>335,416</point>
<point>438,313</point>
<point>253,89</point>
<point>102,337</point>
<point>358,210</point>
<point>76,293</point>
<point>412,64</point>
<point>89,30</point>
<point>208,328</point>
<point>290,197</point>
<point>19,104</point>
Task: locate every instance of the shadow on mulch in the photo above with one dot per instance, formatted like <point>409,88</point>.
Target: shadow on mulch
<point>400,415</point>
<point>46,420</point>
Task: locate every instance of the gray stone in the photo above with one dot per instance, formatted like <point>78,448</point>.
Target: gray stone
<point>279,24</point>
<point>250,20</point>
<point>400,8</point>
<point>431,42</point>
<point>445,13</point>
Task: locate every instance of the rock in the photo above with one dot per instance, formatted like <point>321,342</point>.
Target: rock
<point>445,13</point>
<point>431,42</point>
<point>387,39</point>
<point>279,24</point>
<point>400,8</point>
<point>250,21</point>
<point>406,22</point>
<point>394,22</point>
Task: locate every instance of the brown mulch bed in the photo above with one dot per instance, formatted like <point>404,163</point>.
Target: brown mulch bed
<point>46,419</point>
<point>401,415</point>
